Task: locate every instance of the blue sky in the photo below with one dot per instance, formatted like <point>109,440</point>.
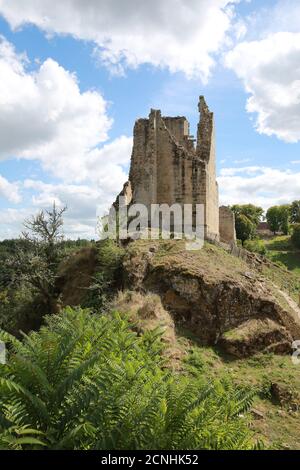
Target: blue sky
<point>74,78</point>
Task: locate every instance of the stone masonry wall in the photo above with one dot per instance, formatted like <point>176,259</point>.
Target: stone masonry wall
<point>227,225</point>
<point>206,151</point>
<point>167,168</point>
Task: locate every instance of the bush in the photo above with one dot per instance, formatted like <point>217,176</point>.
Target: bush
<point>278,218</point>
<point>88,382</point>
<point>108,278</point>
<point>245,229</point>
<point>255,246</point>
<point>296,236</point>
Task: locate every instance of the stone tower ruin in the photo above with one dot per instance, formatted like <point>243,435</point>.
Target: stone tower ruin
<point>167,167</point>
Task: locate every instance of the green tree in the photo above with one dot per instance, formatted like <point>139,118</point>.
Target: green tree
<point>278,218</point>
<point>295,212</point>
<point>245,228</point>
<point>88,382</point>
<point>252,212</point>
<point>284,212</point>
<point>36,261</point>
<point>296,235</point>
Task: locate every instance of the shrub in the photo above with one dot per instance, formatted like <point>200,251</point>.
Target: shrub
<point>296,235</point>
<point>108,278</point>
<point>88,382</point>
<point>245,229</point>
<point>278,218</point>
<point>255,246</point>
<point>253,213</point>
<point>295,212</point>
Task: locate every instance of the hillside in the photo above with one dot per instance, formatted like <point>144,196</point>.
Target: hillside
<point>222,318</point>
<point>216,295</point>
<point>253,324</point>
<point>244,322</point>
<point>281,250</point>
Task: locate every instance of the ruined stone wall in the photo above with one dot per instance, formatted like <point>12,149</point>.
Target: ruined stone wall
<point>143,169</point>
<point>160,169</point>
<point>227,225</point>
<point>206,152</point>
<point>179,128</point>
<point>166,168</point>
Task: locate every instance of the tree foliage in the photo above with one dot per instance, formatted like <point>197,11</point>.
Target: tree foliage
<point>35,262</point>
<point>88,382</point>
<point>296,235</point>
<point>256,246</point>
<point>253,213</point>
<point>247,218</point>
<point>107,279</point>
<point>245,229</point>
<point>295,212</point>
<point>278,218</point>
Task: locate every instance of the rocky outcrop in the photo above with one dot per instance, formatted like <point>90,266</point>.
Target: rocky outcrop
<point>146,313</point>
<point>211,292</point>
<point>256,335</point>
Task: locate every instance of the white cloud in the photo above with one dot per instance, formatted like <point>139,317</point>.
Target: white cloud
<point>259,185</point>
<point>267,62</point>
<point>177,34</point>
<point>85,202</point>
<point>11,222</point>
<point>9,191</point>
<point>266,19</point>
<point>247,170</point>
<point>45,116</point>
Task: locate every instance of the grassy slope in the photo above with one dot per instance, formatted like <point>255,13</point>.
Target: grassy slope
<point>280,249</point>
<point>214,263</point>
<point>278,427</point>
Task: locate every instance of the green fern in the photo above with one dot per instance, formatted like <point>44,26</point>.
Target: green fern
<point>88,382</point>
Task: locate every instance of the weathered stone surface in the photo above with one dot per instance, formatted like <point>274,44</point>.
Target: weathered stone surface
<point>167,168</point>
<point>227,225</point>
<point>147,313</point>
<point>208,292</point>
<point>256,335</point>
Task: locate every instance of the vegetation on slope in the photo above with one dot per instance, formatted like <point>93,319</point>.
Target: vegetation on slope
<point>281,250</point>
<point>275,415</point>
<point>88,382</point>
<point>98,381</point>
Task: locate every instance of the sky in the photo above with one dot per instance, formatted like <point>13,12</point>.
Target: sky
<point>75,75</point>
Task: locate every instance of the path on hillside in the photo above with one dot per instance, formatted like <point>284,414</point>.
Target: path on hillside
<point>290,301</point>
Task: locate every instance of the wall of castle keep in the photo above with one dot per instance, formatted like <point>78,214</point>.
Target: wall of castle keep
<point>167,167</point>
<point>227,225</point>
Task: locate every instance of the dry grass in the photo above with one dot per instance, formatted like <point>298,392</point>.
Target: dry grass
<point>147,314</point>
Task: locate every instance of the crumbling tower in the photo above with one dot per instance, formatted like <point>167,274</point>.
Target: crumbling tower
<point>167,167</point>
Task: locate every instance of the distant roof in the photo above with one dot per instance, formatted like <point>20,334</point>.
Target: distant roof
<point>263,226</point>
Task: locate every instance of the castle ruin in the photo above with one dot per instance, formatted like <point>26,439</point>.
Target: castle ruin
<point>167,168</point>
